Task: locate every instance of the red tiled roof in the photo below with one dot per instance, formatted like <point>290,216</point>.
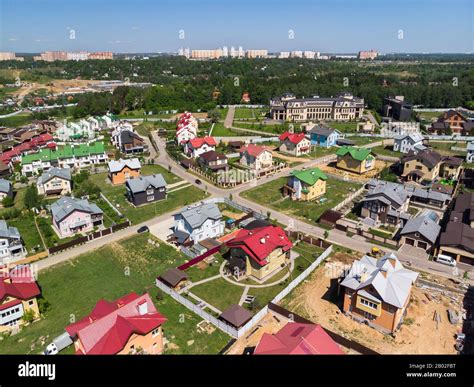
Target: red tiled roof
<point>200,141</point>
<point>21,285</point>
<point>27,145</point>
<point>295,138</point>
<point>109,326</point>
<point>260,242</point>
<point>298,339</point>
<point>252,149</point>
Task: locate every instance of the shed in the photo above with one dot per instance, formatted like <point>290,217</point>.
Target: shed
<point>330,217</point>
<point>236,316</point>
<point>173,277</point>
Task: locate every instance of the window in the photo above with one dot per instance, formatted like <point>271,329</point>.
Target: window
<point>31,302</point>
<point>369,304</point>
<point>150,198</point>
<point>155,332</point>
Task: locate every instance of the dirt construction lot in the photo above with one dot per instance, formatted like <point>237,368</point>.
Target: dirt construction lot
<point>331,168</point>
<point>316,299</point>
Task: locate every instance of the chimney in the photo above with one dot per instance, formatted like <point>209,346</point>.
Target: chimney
<point>142,307</point>
<point>262,241</point>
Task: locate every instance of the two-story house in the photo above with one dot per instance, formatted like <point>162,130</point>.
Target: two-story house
<point>6,189</point>
<point>123,169</point>
<point>213,160</point>
<point>55,181</point>
<point>357,160</point>
<point>306,184</point>
<point>255,157</point>
<point>454,119</point>
<point>199,145</point>
<point>259,252</point>
<point>421,231</point>
<point>71,216</point>
<point>429,165</point>
<point>18,294</point>
<point>197,223</point>
<point>295,144</point>
<point>11,245</point>
<point>128,325</point>
<point>377,292</point>
<point>146,189</point>
<point>324,137</point>
<point>128,142</point>
<point>405,143</point>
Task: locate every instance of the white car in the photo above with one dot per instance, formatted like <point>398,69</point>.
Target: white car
<point>51,349</point>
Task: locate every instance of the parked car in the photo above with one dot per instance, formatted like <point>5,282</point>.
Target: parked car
<point>143,229</point>
<point>446,260</point>
<point>197,181</point>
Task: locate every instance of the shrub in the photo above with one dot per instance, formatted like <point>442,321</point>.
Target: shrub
<point>43,305</point>
<point>29,316</point>
<point>8,201</point>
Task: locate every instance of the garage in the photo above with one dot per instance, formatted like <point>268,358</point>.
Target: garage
<point>410,241</point>
<point>422,245</point>
<point>466,260</point>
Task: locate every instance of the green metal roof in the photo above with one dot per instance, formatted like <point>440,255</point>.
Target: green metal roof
<point>65,152</point>
<point>309,176</point>
<point>359,154</point>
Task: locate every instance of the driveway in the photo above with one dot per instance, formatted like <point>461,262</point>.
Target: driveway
<point>162,229</point>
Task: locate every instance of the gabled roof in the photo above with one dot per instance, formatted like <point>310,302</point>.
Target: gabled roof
<point>427,157</point>
<point>200,141</point>
<point>140,184</point>
<point>414,137</point>
<point>359,154</point>
<point>65,206</point>
<point>259,242</point>
<point>197,215</point>
<point>236,315</point>
<point>426,225</point>
<point>253,150</point>
<point>212,156</point>
<point>309,176</point>
<point>110,325</point>
<point>127,136</point>
<point>174,276</point>
<point>323,131</point>
<point>8,232</point>
<point>18,283</point>
<point>450,113</point>
<point>393,287</point>
<point>118,165</point>
<point>298,339</point>
<point>294,138</point>
<point>62,173</point>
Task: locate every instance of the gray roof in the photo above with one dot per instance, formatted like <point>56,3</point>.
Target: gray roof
<point>322,131</point>
<point>196,216</point>
<point>62,173</point>
<point>8,232</point>
<point>395,193</point>
<point>118,165</point>
<point>141,183</point>
<point>415,137</point>
<point>425,224</point>
<point>67,205</point>
<point>392,288</point>
<point>5,185</point>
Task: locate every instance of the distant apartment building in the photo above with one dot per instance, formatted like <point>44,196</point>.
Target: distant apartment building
<point>51,56</point>
<point>9,56</point>
<point>397,109</point>
<point>206,54</point>
<point>344,107</point>
<point>256,53</point>
<point>284,55</point>
<point>364,55</point>
<point>101,55</point>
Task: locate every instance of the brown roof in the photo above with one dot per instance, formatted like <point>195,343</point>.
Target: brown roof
<point>173,276</point>
<point>236,315</point>
<point>458,231</point>
<point>428,157</point>
<point>209,243</point>
<point>452,160</point>
<point>212,156</point>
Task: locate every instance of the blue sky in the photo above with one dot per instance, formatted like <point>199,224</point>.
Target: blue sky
<point>320,25</point>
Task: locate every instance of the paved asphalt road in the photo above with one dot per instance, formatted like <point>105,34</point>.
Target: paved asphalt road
<point>335,236</point>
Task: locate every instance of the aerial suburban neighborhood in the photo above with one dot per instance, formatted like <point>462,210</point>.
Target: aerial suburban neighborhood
<point>231,201</point>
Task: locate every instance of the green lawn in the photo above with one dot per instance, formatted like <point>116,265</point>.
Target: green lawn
<point>28,231</point>
<point>343,126</point>
<point>73,288</point>
<point>18,120</point>
<point>219,293</point>
<point>249,113</point>
<point>116,194</point>
<point>319,151</point>
<point>272,128</point>
<point>444,148</point>
<point>19,202</point>
<point>269,194</point>
<point>386,151</point>
<point>220,131</point>
<point>361,140</point>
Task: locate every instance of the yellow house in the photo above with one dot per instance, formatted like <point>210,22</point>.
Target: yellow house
<point>357,160</point>
<point>424,165</point>
<point>18,293</point>
<point>259,252</point>
<point>306,185</point>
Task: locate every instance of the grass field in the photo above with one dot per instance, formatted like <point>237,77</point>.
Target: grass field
<point>359,140</point>
<point>444,148</point>
<point>249,113</point>
<point>116,194</point>
<point>269,194</point>
<point>272,128</point>
<point>220,131</point>
<point>28,231</point>
<point>343,126</point>
<point>386,151</point>
<point>18,201</point>
<point>18,120</point>
<point>218,293</point>
<point>319,151</point>
<point>73,288</point>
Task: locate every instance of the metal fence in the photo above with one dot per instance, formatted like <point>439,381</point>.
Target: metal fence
<point>349,199</point>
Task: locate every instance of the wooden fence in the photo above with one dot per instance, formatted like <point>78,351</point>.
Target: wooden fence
<point>87,238</point>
